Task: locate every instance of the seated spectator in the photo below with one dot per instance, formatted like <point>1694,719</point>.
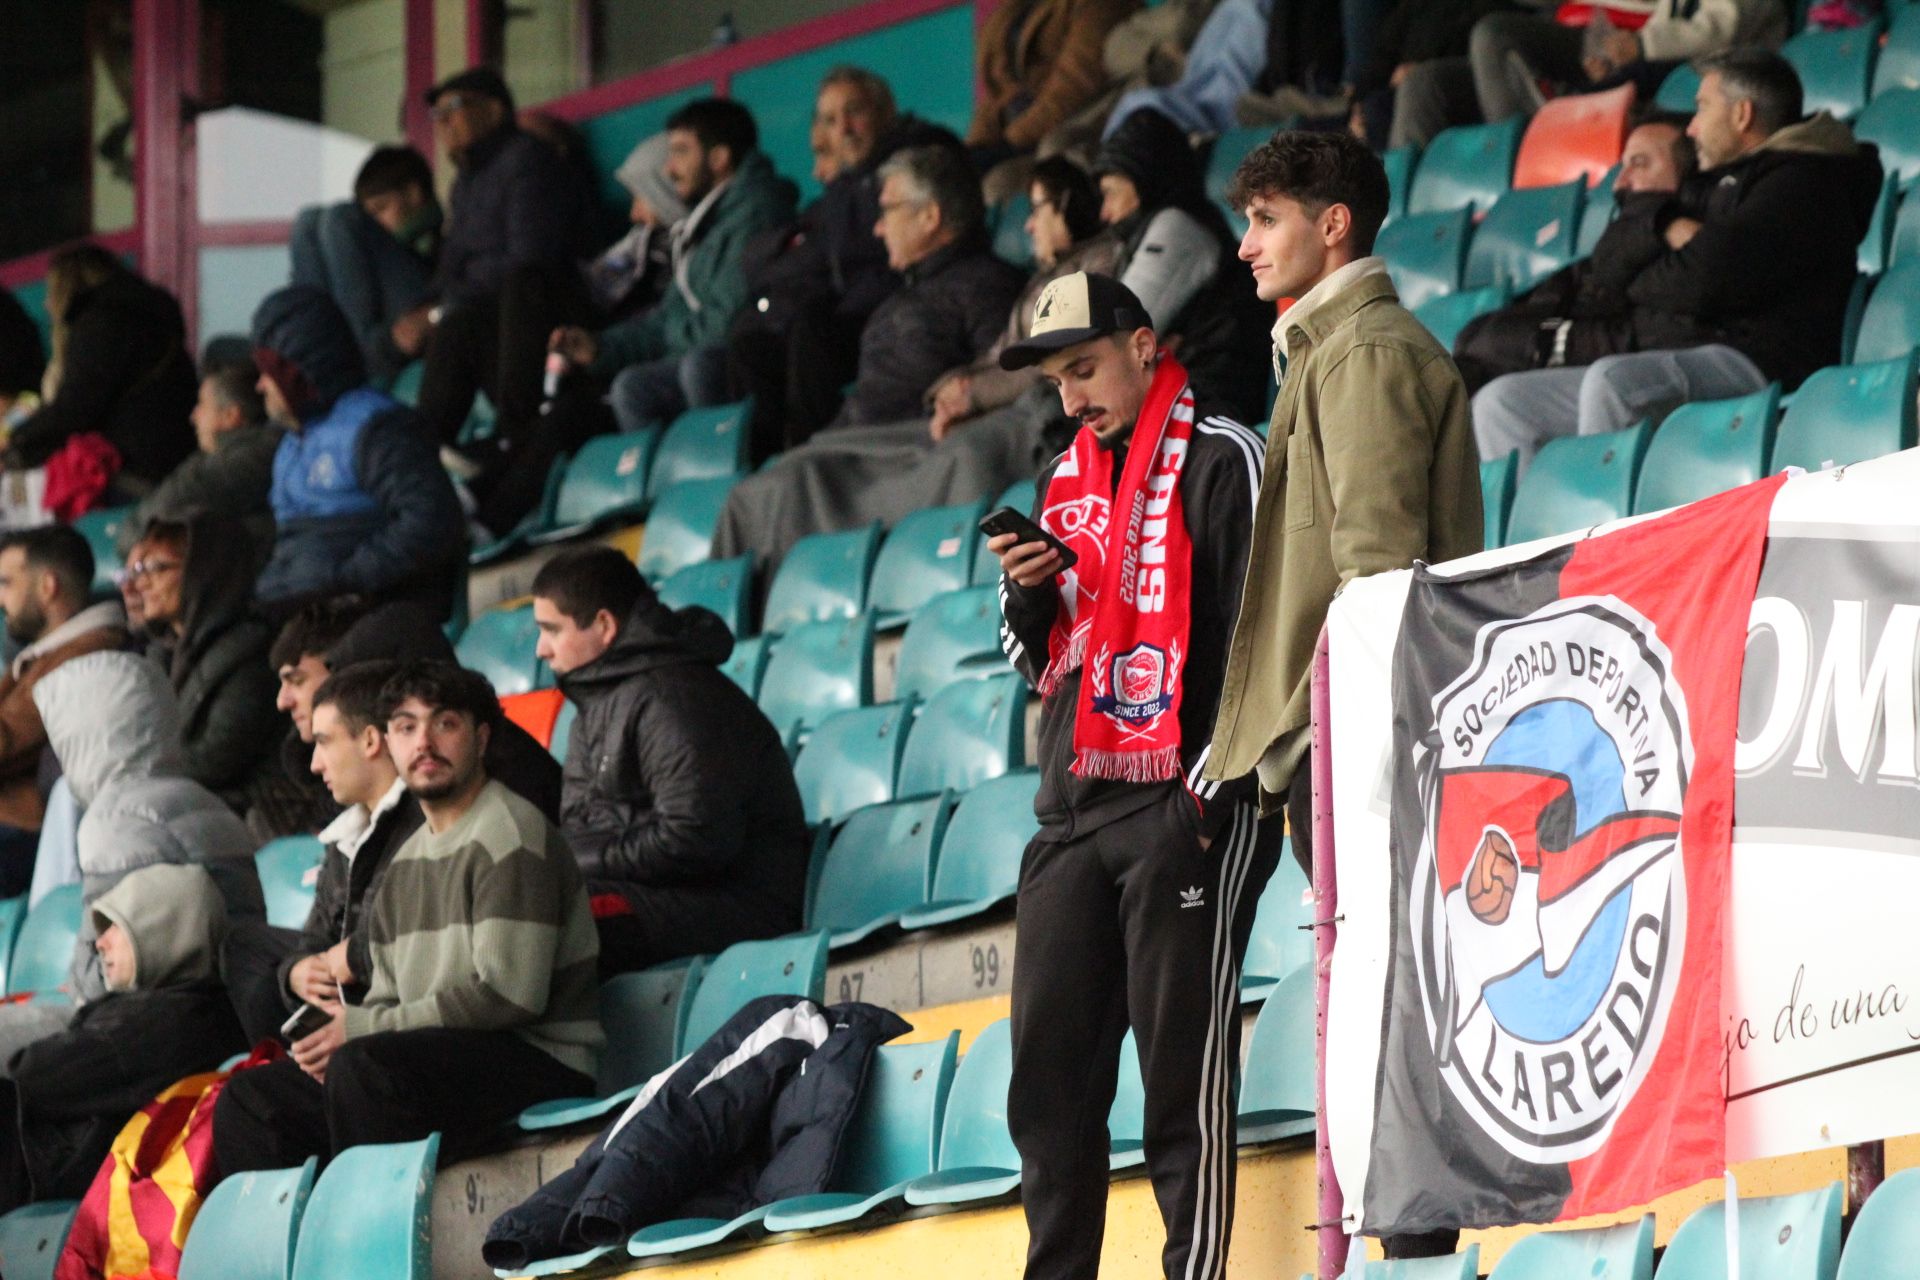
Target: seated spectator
<point>636,270</point>
<point>360,502</point>
<point>1710,318</point>
<point>374,254</point>
<point>233,471</point>
<point>23,360</point>
<point>1222,66</point>
<point>46,577</point>
<point>1417,78</point>
<point>482,998</point>
<point>163,1016</point>
<point>680,805</point>
<point>1037,65</point>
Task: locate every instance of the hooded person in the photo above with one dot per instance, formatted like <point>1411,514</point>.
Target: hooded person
<point>360,502</point>
<point>636,269</point>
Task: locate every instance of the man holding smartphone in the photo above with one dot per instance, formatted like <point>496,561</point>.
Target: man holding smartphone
<point>1137,895</point>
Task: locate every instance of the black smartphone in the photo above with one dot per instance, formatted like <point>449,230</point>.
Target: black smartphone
<point>306,1020</point>
<point>1009,520</point>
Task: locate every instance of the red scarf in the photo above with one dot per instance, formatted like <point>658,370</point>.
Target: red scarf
<point>1126,602</point>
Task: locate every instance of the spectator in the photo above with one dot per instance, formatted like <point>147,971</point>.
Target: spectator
<point>1222,66</point>
<point>1709,321</point>
<point>374,254</point>
<point>482,998</point>
<point>635,271</point>
<point>360,502</point>
<point>1038,64</point>
<point>23,359</point>
<point>1418,79</point>
<point>46,577</point>
<point>233,471</point>
<point>680,804</point>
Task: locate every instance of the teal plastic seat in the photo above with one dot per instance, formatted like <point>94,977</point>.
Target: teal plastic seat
<point>101,529</point>
<point>680,527</point>
<point>1899,63</point>
<point>876,868</point>
<point>1835,67</point>
<point>955,636</point>
<point>1277,1086</point>
<point>289,869</point>
<point>979,864</point>
<point>1447,314</point>
<point>1576,482</point>
<point>247,1229</point>
<point>533,527</point>
<point>1847,414</point>
<point>986,566</point>
<point>562,730</point>
<point>1010,240</point>
<point>1280,943</point>
<point>724,586</point>
<point>13,913</point>
<point>43,950</point>
<point>977,1157</point>
<point>1885,1238</point>
<point>702,444</point>
<point>1892,122</point>
<point>1794,1237</point>
<point>1498,479</point>
<point>744,666</point>
<point>1426,253</point>
<point>499,644</point>
<point>368,1217</point>
<point>1890,326</point>
<point>1876,247</point>
<point>605,482</point>
<point>1229,149</point>
<point>824,576</point>
<point>1127,1117</point>
<point>929,552</point>
<point>1466,167</point>
<point>794,965</point>
<point>851,759</point>
<point>966,733</point>
<point>1597,213</point>
<point>1399,163</point>
<point>1706,447</point>
<point>1903,241</point>
<point>1464,1265</point>
<point>643,1014</point>
<point>817,670</point>
<point>31,1238</point>
<point>1526,236</point>
<point>1676,91</point>
<point>1624,1252</point>
<point>406,383</point>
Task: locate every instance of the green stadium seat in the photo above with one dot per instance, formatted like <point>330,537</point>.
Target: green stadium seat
<point>1848,414</point>
<point>605,482</point>
<point>247,1229</point>
<point>986,566</point>
<point>1528,235</point>
<point>406,383</point>
<point>977,1157</point>
<point>965,734</point>
<point>1892,123</point>
<point>1899,64</point>
<point>1010,240</point>
<point>13,913</point>
<point>1890,325</point>
<point>1426,253</point>
<point>1576,482</point>
<point>1596,215</point>
<point>1835,67</point>
<point>1795,1237</point>
<point>1277,1085</point>
<point>794,965</point>
<point>533,526</point>
<point>1624,1252</point>
<point>1885,1238</point>
<point>101,529</point>
<point>702,444</point>
<point>1707,447</point>
<point>723,586</point>
<point>877,867</point>
<point>1903,241</point>
<point>851,759</point>
<point>954,636</point>
<point>824,576</point>
<point>563,730</point>
<point>43,950</point>
<point>1280,941</point>
<point>289,869</point>
<point>1497,482</point>
<point>1464,1265</point>
<point>1400,163</point>
<point>31,1238</point>
<point>1223,161</point>
<point>680,527</point>
<point>929,552</point>
<point>1466,166</point>
<point>1575,137</point>
<point>643,1014</point>
<point>817,670</point>
<point>499,644</point>
<point>745,666</point>
<point>1445,316</point>
<point>1876,247</point>
<point>1676,91</point>
<point>979,863</point>
<point>1127,1118</point>
<point>369,1215</point>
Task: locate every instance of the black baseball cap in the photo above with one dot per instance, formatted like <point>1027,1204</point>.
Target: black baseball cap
<point>484,81</point>
<point>1073,309</point>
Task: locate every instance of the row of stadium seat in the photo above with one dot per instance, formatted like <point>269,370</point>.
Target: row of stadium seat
<point>1840,71</point>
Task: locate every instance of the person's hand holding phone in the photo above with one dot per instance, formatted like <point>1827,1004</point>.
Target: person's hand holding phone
<point>1028,564</point>
<point>315,1051</point>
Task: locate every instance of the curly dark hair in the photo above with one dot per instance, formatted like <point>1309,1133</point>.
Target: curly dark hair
<point>1317,170</point>
<point>443,686</point>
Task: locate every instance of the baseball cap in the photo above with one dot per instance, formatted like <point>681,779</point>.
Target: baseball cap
<point>484,81</point>
<point>1073,309</point>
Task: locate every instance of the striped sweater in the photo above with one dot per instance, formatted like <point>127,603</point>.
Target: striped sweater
<point>485,926</point>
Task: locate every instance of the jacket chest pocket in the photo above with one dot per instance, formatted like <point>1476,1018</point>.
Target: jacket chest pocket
<point>1300,481</point>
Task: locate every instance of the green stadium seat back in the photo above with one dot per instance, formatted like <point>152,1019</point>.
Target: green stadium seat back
<point>642,1014</point>
<point>1229,149</point>
<point>289,869</point>
<point>1010,240</point>
<point>1676,91</point>
<point>1426,253</point>
<point>986,566</point>
<point>1846,414</point>
<point>535,528</point>
<point>1903,241</point>
<point>794,965</point>
<point>1445,316</point>
<point>1835,67</point>
<point>1876,247</point>
<point>1885,1237</point>
<point>1596,215</point>
<point>966,733</point>
<point>680,527</point>
<point>369,1215</point>
<point>1624,1252</point>
<point>499,644</point>
<point>851,759</point>
<point>1575,137</point>
<point>1127,1117</point>
<point>406,383</point>
<point>824,576</point>
<point>247,1229</point>
<point>977,1157</point>
<point>563,730</point>
<point>1464,1265</point>
<point>723,586</point>
<point>1890,325</point>
<point>1792,1237</point>
<point>979,864</point>
<point>1899,62</point>
<point>606,479</point>
<point>13,913</point>
<point>954,636</point>
<point>1892,122</point>
<point>1576,482</point>
<point>1278,1085</point>
<point>744,666</point>
<point>1400,163</point>
<point>701,445</point>
<point>818,669</point>
<point>1466,166</point>
<point>1706,447</point>
<point>929,552</point>
<point>43,950</point>
<point>31,1238</point>
<point>1528,235</point>
<point>1498,479</point>
<point>877,867</point>
<point>101,529</point>
<point>1279,943</point>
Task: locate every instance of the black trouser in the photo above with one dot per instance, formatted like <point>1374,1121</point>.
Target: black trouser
<point>396,1086</point>
<point>1132,925</point>
<point>250,960</point>
<point>498,345</point>
<point>794,373</point>
<point>656,924</point>
<point>17,849</point>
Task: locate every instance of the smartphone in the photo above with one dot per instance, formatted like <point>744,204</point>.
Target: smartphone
<point>1009,520</point>
<point>306,1020</point>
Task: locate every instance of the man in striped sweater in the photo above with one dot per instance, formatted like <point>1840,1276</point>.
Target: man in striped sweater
<point>483,996</point>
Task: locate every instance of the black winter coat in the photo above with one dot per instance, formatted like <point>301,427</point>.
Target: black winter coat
<point>515,203</point>
<point>341,893</point>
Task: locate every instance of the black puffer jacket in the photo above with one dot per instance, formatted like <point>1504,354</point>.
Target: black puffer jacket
<point>515,203</point>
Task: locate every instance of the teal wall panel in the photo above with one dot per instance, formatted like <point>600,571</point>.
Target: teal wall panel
<point>34,298</point>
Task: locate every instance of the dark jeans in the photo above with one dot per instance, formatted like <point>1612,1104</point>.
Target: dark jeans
<point>1509,48</point>
<point>498,345</point>
<point>372,276</point>
<point>17,849</point>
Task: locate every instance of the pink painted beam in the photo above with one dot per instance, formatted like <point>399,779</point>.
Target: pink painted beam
<point>1330,1228</point>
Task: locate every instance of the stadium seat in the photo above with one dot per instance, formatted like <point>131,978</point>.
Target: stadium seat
<point>643,1014</point>
<point>680,526</point>
<point>965,734</point>
<point>1596,215</point>
<point>1576,137</point>
<point>43,951</point>
<point>1445,316</point>
<point>1624,1252</point>
<point>824,576</point>
<point>499,645</point>
<point>817,670</point>
<point>954,636</point>
<point>1876,247</point>
<point>1795,1237</point>
<point>1903,241</point>
<point>101,529</point>
<point>535,526</point>
<point>1576,482</point>
<point>1527,236</point>
<point>1899,64</point>
<point>31,1238</point>
<point>368,1217</point>
<point>877,867</point>
<point>1676,91</point>
<point>723,586</point>
<point>1464,1265</point>
<point>1280,942</point>
<point>1399,163</point>
<point>1892,123</point>
<point>13,913</point>
<point>795,965</point>
<point>1010,240</point>
<point>1497,482</point>
<point>702,444</point>
<point>1469,165</point>
<point>1890,325</point>
<point>979,863</point>
<point>1706,447</point>
<point>929,552</point>
<point>1426,253</point>
<point>604,482</point>
<point>1884,1240</point>
<point>986,566</point>
<point>247,1229</point>
<point>1277,1086</point>
<point>1127,1118</point>
<point>406,383</point>
<point>1835,67</point>
<point>289,869</point>
<point>563,730</point>
<point>1846,414</point>
<point>851,759</point>
<point>744,666</point>
<point>977,1157</point>
<point>1229,149</point>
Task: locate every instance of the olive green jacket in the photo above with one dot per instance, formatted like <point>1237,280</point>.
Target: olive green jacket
<point>1371,465</point>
